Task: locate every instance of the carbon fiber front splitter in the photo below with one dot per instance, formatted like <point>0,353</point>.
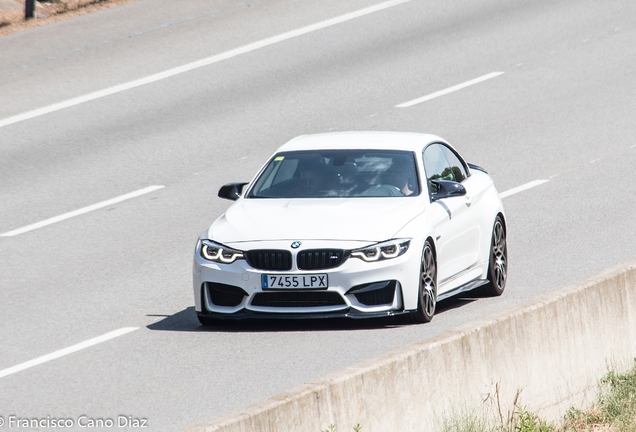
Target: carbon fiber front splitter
<point>347,313</point>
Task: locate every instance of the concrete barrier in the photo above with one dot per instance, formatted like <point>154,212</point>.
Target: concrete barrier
<point>549,354</point>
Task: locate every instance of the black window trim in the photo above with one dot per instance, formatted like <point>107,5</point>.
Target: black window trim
<point>461,159</point>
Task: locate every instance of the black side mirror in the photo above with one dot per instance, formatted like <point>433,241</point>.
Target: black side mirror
<point>445,188</point>
<point>231,191</point>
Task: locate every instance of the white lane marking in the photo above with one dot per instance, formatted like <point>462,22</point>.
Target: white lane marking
<point>66,351</point>
<point>449,90</point>
<point>596,160</point>
<point>522,188</point>
<point>81,211</point>
<point>201,63</point>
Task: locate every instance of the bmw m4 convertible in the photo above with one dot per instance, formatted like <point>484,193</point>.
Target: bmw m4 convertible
<point>353,224</point>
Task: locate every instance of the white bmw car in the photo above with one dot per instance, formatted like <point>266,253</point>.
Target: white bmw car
<point>353,224</point>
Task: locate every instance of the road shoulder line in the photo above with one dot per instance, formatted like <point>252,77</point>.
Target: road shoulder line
<point>81,211</point>
<point>66,351</point>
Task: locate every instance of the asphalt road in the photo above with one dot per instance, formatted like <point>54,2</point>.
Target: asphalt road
<point>563,111</point>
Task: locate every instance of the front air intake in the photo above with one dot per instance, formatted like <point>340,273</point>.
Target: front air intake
<point>224,295</point>
<point>374,294</point>
<point>298,299</point>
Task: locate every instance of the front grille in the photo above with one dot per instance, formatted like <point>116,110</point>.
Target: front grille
<point>269,259</point>
<point>298,299</point>
<point>319,259</point>
<point>380,293</point>
<point>224,295</point>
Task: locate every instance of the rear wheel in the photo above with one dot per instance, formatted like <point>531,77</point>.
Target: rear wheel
<point>427,296</point>
<point>498,263</point>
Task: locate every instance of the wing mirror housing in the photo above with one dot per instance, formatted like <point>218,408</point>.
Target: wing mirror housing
<point>441,189</point>
<point>232,191</point>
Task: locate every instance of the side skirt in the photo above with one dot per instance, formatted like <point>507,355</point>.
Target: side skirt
<point>476,283</point>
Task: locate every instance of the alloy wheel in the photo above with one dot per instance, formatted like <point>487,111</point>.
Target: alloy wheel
<point>499,256</point>
<point>428,283</point>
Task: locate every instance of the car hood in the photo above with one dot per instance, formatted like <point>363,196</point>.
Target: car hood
<point>365,219</point>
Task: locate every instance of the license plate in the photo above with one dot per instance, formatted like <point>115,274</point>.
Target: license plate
<point>315,281</point>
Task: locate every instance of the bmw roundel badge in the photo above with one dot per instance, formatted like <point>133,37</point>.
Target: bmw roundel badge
<point>296,245</point>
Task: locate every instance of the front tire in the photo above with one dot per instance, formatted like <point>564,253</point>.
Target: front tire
<point>427,295</point>
<point>498,262</point>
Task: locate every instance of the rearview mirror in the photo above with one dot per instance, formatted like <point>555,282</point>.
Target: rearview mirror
<point>232,191</point>
<point>445,188</point>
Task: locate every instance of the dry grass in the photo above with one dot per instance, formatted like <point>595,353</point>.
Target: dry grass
<point>614,411</point>
<point>12,21</point>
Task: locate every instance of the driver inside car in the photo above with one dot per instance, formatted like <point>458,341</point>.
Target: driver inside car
<point>399,175</point>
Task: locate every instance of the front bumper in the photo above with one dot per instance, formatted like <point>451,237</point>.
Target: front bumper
<point>357,289</point>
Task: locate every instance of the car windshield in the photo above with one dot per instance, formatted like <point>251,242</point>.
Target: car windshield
<point>338,173</point>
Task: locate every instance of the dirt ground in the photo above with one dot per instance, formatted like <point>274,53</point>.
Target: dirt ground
<point>12,12</point>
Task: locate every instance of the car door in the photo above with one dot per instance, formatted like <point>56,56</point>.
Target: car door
<point>456,230</point>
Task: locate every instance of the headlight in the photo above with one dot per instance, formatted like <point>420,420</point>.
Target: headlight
<point>381,251</point>
<point>218,253</point>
